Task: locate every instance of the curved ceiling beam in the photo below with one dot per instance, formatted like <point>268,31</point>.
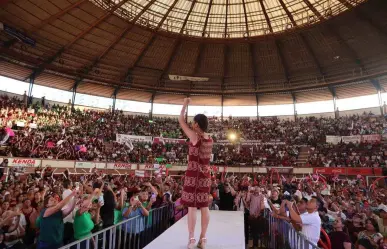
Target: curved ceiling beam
<point>207,17</point>
<point>115,41</point>
<point>226,21</point>
<point>253,63</point>
<point>314,10</point>
<point>186,18</point>
<point>225,66</point>
<point>46,21</point>
<point>41,68</point>
<point>150,41</point>
<point>167,67</point>
<point>266,16</point>
<point>245,15</point>
<point>303,39</point>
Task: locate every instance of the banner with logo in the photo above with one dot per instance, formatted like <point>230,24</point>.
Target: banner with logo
<point>250,142</point>
<point>364,171</point>
<point>281,170</point>
<point>123,138</point>
<point>89,165</point>
<point>330,171</point>
<point>371,138</point>
<point>121,166</point>
<point>333,139</point>
<point>58,163</point>
<point>158,140</point>
<point>23,162</point>
<point>351,139</point>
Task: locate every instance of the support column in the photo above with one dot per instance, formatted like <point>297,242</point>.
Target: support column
<point>151,111</point>
<point>257,99</point>
<point>378,88</point>
<point>76,84</point>
<point>221,117</point>
<point>334,99</point>
<point>30,87</point>
<point>114,96</point>
<point>294,106</point>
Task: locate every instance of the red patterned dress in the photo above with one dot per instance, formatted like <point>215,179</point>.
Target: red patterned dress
<point>197,179</point>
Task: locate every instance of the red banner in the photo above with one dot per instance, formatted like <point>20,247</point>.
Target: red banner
<point>364,171</point>
<point>371,138</point>
<point>330,171</point>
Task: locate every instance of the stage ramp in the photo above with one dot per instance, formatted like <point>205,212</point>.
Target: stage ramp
<point>226,231</point>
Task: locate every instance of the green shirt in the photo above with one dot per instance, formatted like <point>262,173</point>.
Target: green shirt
<point>53,224</point>
<point>149,223</point>
<point>83,224</point>
<point>117,216</point>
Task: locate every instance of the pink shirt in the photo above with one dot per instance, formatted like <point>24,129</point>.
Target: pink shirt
<point>256,204</point>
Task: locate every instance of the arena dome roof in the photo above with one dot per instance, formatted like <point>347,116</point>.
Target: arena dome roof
<point>217,51</point>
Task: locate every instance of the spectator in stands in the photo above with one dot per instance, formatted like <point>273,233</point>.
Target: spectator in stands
<point>339,239</point>
<point>51,221</point>
<point>227,195</point>
<point>211,204</point>
<point>311,222</point>
<point>255,201</point>
<point>371,233</point>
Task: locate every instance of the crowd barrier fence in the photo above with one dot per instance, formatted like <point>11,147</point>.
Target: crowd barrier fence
<point>133,233</point>
<point>282,235</point>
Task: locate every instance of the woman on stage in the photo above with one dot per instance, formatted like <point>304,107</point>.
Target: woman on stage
<point>197,179</point>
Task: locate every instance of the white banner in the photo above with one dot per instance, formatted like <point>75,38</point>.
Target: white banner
<point>333,139</point>
<point>140,173</point>
<point>22,162</point>
<point>180,78</point>
<point>122,138</point>
<point>351,139</point>
<point>89,165</point>
<point>121,166</point>
<point>20,124</point>
<point>57,164</point>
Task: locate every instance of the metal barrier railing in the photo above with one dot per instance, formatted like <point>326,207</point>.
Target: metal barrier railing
<point>282,235</point>
<point>133,233</point>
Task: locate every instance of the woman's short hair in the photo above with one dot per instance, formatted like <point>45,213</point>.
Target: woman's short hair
<point>202,121</point>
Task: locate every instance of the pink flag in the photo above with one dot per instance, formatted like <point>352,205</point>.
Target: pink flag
<point>10,132</point>
<point>82,148</point>
<point>50,145</point>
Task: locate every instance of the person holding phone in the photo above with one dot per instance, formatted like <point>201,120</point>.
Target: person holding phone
<point>135,227</point>
<point>197,179</point>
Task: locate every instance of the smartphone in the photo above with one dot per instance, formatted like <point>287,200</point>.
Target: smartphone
<point>136,198</point>
<point>100,200</point>
<point>77,186</point>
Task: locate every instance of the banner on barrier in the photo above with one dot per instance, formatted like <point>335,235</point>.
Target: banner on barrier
<point>57,164</point>
<point>121,166</point>
<point>333,139</point>
<point>260,170</point>
<point>351,139</point>
<point>330,171</point>
<point>364,171</point>
<point>140,173</point>
<point>302,171</point>
<point>158,140</point>
<point>371,138</point>
<point>123,138</point>
<point>89,165</point>
<point>281,170</point>
<point>23,162</point>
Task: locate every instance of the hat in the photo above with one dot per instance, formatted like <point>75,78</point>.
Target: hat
<point>382,207</point>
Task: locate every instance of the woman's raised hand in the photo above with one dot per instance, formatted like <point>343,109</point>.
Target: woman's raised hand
<point>187,101</point>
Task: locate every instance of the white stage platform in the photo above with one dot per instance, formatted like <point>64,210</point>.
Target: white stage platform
<point>225,231</point>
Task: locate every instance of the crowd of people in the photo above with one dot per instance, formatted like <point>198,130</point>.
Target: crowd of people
<point>47,211</point>
<point>57,132</point>
<point>50,211</point>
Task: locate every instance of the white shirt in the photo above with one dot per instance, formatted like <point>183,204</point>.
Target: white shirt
<point>68,218</point>
<point>311,226</point>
